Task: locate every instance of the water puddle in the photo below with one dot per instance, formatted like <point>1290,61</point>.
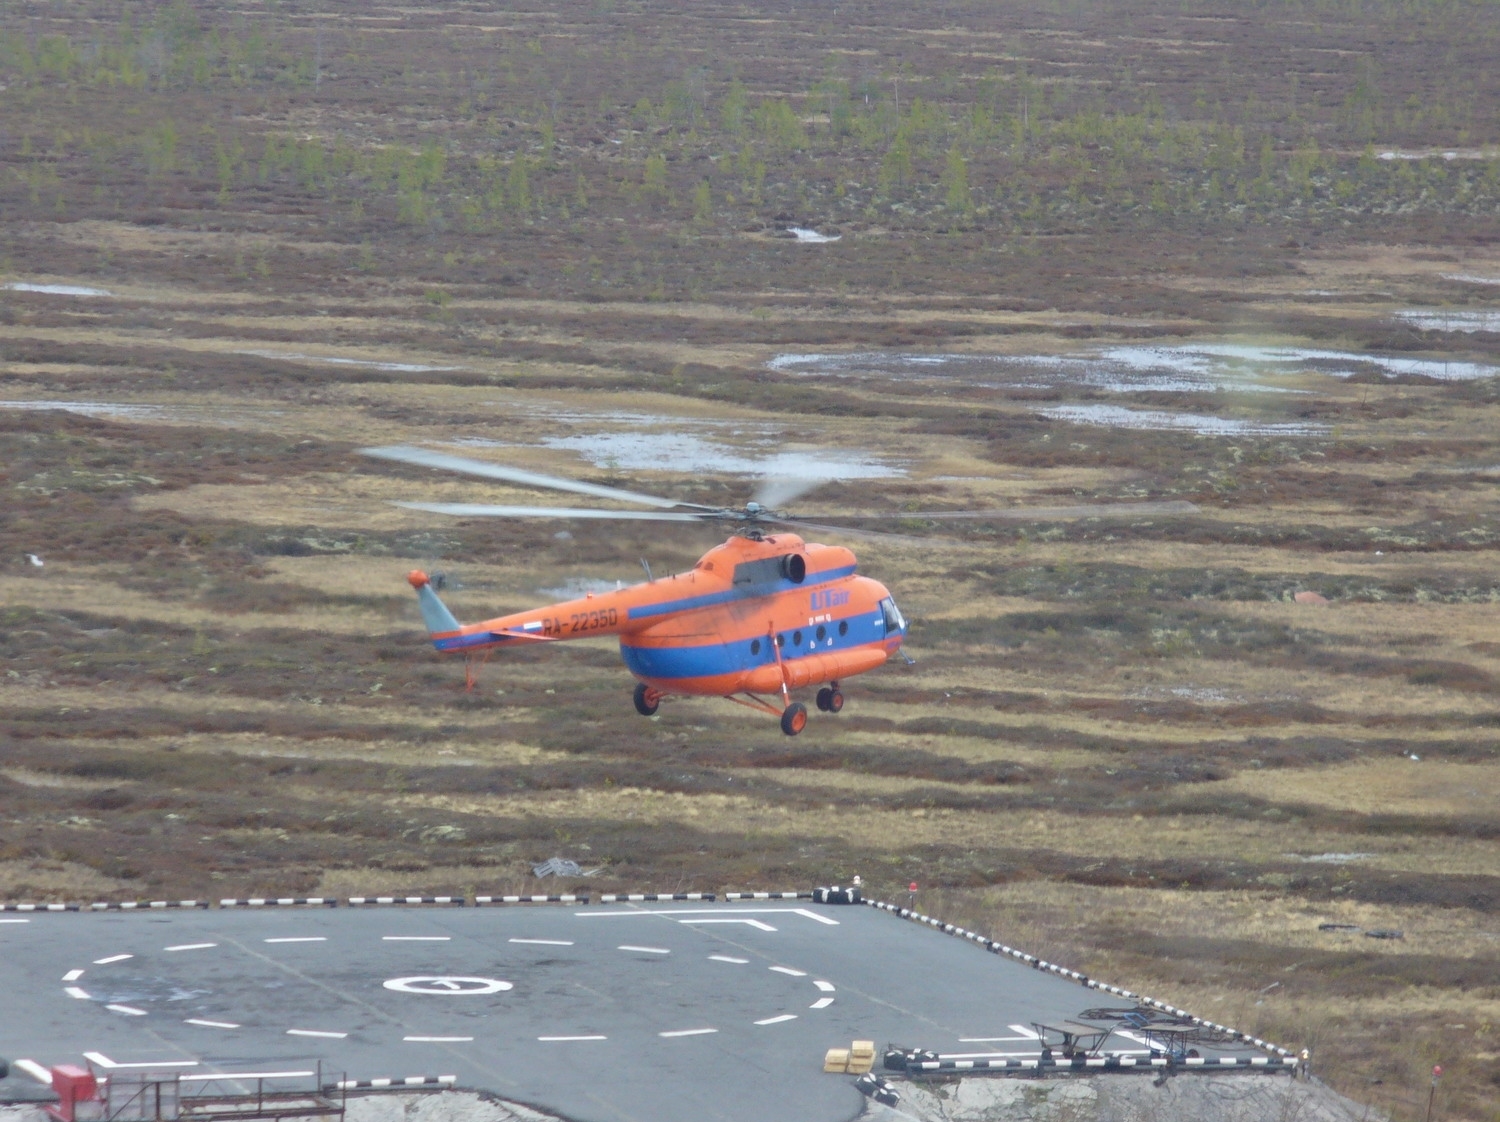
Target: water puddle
<point>114,411</point>
<point>1442,319</point>
<point>685,453</point>
<point>1175,368</point>
<point>216,416</point>
<point>56,289</point>
<point>1199,424</point>
<point>1433,154</point>
<point>1209,694</point>
<point>1329,858</point>
<point>367,363</point>
<point>811,237</point>
<point>658,443</point>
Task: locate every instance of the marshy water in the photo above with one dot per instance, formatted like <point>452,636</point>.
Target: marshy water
<point>1132,368</point>
<point>1199,424</point>
<point>55,289</point>
<point>694,445</point>
<point>365,363</point>
<point>1464,320</point>
<point>1219,369</point>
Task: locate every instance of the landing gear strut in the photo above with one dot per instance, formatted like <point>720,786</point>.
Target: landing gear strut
<point>647,700</point>
<point>830,700</point>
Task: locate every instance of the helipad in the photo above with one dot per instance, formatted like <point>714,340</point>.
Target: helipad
<point>612,1013</point>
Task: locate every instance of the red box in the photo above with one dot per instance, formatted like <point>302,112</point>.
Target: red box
<point>73,1085</point>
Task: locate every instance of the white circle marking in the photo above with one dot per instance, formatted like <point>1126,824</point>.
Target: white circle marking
<point>443,984</point>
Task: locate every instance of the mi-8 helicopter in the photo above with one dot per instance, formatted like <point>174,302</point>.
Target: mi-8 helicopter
<point>764,614</point>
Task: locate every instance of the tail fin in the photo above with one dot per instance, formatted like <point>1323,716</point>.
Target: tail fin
<point>435,613</point>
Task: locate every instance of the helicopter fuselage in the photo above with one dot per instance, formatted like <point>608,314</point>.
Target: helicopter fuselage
<point>754,615</point>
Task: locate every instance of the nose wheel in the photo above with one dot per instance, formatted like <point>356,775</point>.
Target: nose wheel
<point>647,700</point>
<point>830,700</point>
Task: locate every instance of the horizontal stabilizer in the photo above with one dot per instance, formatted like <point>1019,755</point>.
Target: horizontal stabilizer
<point>525,636</point>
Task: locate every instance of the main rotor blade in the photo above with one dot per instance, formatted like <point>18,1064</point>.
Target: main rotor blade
<point>776,491</point>
<point>480,510</point>
<point>874,535</point>
<point>422,457</point>
<point>1043,513</point>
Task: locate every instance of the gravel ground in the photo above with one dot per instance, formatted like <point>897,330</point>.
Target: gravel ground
<point>1223,1098</point>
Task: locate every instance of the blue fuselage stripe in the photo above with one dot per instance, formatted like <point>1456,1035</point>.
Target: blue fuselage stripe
<point>743,592</point>
<point>735,657</point>
<point>474,639</point>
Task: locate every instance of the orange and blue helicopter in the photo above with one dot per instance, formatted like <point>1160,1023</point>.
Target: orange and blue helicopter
<point>766,613</point>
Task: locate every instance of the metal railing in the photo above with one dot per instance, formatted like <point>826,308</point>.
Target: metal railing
<point>221,1096</point>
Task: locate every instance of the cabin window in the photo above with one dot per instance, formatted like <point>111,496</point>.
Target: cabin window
<point>755,646</point>
<point>781,640</point>
<point>843,627</point>
<point>822,632</point>
<point>796,638</point>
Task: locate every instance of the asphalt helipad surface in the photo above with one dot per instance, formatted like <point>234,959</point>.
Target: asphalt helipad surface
<point>612,1013</point>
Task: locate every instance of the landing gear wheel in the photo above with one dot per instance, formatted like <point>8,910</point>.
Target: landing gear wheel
<point>794,718</point>
<point>647,700</point>
<point>825,698</point>
<point>835,702</point>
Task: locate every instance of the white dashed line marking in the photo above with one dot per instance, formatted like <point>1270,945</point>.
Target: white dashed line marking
<point>210,1024</point>
<point>105,1062</point>
<point>315,1032</point>
<point>35,1070</point>
<point>128,1010</point>
<point>643,950</point>
<point>1023,1033</point>
<point>826,987</point>
<point>821,1003</point>
<point>438,1039</point>
<point>778,1020</point>
<point>415,938</point>
<point>15,921</point>
<point>72,975</point>
<point>788,970</point>
<point>751,922</point>
<point>688,1032</point>
<point>81,995</point>
<point>299,939</point>
<point>111,958</point>
<point>191,947</point>
<point>727,958</point>
<point>546,942</point>
<point>560,1038</point>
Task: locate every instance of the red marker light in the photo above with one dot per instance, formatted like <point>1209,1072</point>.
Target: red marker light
<point>1437,1070</point>
<point>912,887</point>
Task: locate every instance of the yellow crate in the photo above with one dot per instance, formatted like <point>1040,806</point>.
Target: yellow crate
<point>837,1060</point>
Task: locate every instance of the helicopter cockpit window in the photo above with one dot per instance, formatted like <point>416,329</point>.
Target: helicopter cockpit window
<point>894,620</point>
